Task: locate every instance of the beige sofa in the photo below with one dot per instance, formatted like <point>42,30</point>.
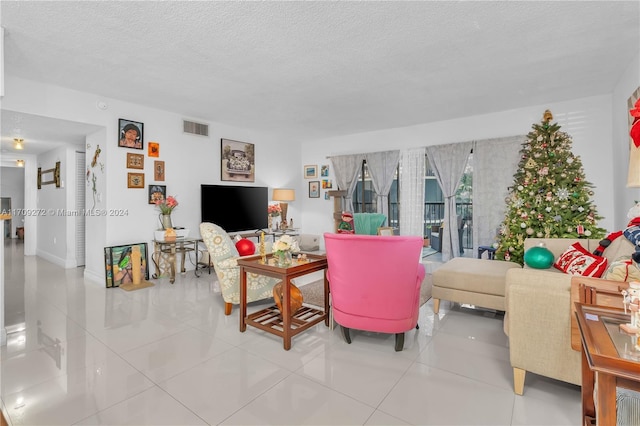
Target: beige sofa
<point>538,315</point>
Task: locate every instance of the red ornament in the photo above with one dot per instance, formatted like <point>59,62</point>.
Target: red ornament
<point>245,247</point>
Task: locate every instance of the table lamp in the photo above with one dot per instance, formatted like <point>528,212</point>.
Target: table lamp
<point>283,194</point>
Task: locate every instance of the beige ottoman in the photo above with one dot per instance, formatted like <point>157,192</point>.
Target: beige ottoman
<point>473,281</point>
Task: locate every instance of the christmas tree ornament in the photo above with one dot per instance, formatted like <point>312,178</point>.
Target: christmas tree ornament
<point>547,116</point>
<point>538,257</point>
<point>552,154</point>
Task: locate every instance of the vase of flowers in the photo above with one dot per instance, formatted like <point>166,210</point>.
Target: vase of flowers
<point>166,206</point>
<point>283,250</point>
<point>274,211</point>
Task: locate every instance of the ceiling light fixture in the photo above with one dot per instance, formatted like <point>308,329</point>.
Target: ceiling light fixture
<point>18,143</point>
<point>20,163</point>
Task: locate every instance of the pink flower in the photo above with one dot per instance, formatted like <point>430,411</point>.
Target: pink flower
<point>274,209</point>
<point>167,205</point>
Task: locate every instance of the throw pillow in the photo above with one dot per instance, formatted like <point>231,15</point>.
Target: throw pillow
<point>622,269</point>
<point>576,260</point>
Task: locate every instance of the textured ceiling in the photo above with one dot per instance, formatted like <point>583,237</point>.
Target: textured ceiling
<point>308,70</point>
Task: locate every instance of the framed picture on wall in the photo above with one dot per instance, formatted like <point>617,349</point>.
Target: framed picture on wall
<point>130,134</point>
<point>324,170</point>
<point>117,264</point>
<point>238,161</point>
<point>158,171</point>
<point>135,161</point>
<point>310,171</point>
<point>154,149</point>
<point>157,193</point>
<point>314,189</point>
<point>135,180</point>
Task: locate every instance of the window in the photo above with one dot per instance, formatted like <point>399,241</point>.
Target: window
<point>365,199</point>
<point>434,202</point>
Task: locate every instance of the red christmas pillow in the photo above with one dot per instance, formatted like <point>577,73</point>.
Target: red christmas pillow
<point>576,260</point>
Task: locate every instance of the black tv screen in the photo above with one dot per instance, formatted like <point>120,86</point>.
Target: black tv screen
<point>235,208</point>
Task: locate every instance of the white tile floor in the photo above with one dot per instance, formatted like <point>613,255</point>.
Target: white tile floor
<point>168,355</point>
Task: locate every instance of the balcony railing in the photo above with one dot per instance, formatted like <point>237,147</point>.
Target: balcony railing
<point>433,215</point>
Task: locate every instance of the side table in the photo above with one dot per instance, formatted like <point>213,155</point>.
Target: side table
<point>609,359</point>
<point>284,324</point>
<point>163,248</point>
<point>491,252</point>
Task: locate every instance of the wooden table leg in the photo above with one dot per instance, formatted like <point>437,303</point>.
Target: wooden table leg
<point>172,264</point>
<point>286,314</point>
<point>588,408</point>
<point>606,396</point>
<point>326,299</point>
<point>183,258</point>
<point>243,299</point>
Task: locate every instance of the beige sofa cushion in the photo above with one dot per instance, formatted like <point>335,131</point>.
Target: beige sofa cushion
<point>618,248</point>
<point>475,275</point>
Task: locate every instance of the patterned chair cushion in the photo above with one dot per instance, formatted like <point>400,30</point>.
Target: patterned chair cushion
<point>224,257</point>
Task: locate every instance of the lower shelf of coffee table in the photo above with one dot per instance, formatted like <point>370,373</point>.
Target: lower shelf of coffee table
<point>270,320</point>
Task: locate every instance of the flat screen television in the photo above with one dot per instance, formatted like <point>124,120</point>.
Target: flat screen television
<point>235,208</point>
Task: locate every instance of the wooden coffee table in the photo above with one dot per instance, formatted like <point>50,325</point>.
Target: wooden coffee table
<point>609,359</point>
<point>285,324</point>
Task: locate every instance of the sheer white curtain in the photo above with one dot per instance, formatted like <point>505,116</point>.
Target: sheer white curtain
<point>495,161</point>
<point>448,163</point>
<point>347,168</point>
<point>412,170</point>
<point>382,167</point>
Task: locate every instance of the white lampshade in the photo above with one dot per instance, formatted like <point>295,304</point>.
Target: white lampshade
<point>283,194</point>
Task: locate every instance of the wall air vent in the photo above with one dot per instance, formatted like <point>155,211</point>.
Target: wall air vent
<point>195,128</point>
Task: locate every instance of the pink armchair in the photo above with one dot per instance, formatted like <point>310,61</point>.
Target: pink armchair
<point>374,282</point>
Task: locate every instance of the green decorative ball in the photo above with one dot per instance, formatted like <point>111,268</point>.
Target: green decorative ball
<point>538,258</point>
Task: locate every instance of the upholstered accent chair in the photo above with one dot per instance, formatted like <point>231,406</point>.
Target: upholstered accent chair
<point>375,282</point>
<point>368,223</point>
<point>223,255</point>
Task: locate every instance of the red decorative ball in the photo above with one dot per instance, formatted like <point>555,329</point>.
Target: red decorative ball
<point>245,247</point>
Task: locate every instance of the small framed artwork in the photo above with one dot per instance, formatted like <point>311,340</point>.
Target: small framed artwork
<point>130,134</point>
<point>154,149</point>
<point>238,161</point>
<point>310,172</point>
<point>158,171</point>
<point>314,189</point>
<point>324,170</point>
<point>117,264</point>
<point>157,193</point>
<point>135,161</point>
<point>327,184</point>
<point>326,195</point>
<point>135,180</point>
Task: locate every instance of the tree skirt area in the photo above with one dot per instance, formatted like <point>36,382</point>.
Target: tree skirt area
<point>312,293</point>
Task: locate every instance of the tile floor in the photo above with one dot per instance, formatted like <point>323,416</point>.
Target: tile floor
<point>167,355</point>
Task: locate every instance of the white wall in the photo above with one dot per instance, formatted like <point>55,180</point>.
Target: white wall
<point>52,242</point>
<point>189,161</point>
<point>624,197</point>
<point>587,120</point>
<point>13,187</point>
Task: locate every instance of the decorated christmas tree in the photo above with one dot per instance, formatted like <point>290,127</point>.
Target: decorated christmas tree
<point>550,197</point>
